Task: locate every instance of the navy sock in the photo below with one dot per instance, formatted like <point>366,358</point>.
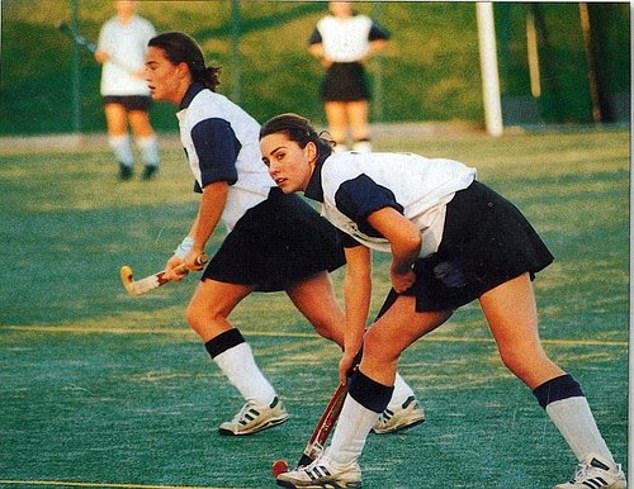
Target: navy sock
<point>223,342</point>
<point>368,393</point>
<point>557,389</point>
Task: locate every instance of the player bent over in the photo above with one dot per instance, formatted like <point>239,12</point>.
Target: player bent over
<point>276,241</point>
<point>452,240</point>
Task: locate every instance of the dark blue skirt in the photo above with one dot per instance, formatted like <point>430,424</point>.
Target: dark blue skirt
<point>345,82</point>
<point>486,241</point>
<point>275,244</point>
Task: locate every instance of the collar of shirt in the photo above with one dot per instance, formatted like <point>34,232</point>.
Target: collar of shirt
<point>314,189</point>
<point>193,90</point>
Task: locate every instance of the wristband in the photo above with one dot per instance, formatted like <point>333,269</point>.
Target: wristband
<point>185,247</point>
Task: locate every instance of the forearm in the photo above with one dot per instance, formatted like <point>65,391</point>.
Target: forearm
<point>210,210</point>
<point>405,253</point>
<point>357,294</point>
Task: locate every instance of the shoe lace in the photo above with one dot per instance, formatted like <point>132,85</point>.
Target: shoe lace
<point>580,473</point>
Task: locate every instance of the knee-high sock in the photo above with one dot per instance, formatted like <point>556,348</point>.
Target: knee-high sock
<point>402,391</point>
<point>122,149</point>
<point>235,358</point>
<point>568,409</point>
<point>365,401</point>
<point>149,150</point>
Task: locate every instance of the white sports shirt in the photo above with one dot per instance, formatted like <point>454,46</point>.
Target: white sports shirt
<point>222,144</point>
<point>346,40</point>
<point>127,43</point>
<point>353,185</point>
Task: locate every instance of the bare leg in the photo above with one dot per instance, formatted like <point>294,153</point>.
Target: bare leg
<point>512,316</point>
<point>337,116</point>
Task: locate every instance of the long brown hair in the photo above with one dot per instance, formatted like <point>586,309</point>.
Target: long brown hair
<point>299,130</point>
<point>180,48</point>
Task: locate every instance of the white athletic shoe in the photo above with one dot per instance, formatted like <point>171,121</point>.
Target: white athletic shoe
<point>594,473</point>
<point>409,414</point>
<point>322,473</point>
<point>253,418</point>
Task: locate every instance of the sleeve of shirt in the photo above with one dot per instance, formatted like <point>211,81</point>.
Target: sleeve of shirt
<point>360,197</point>
<point>315,37</point>
<point>217,148</point>
<point>377,32</point>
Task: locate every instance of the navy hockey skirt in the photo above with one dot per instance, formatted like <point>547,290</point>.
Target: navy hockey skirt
<point>486,241</point>
<point>275,244</point>
<point>345,82</point>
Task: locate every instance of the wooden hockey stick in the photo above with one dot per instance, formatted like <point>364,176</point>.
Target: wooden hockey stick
<point>151,282</point>
<point>324,426</point>
<point>317,440</point>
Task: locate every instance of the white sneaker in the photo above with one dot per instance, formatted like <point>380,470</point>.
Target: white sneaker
<point>322,473</point>
<point>409,414</point>
<point>253,418</point>
<point>594,473</point>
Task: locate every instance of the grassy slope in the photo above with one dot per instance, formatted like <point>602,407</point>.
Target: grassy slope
<point>430,71</point>
<point>103,388</point>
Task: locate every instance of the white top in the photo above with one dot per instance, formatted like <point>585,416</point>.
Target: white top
<point>345,40</point>
<point>356,184</point>
<point>126,44</point>
<point>253,182</point>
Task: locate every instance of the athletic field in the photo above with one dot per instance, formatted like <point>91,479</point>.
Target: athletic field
<point>100,389</point>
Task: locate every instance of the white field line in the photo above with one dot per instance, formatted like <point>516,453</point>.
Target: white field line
<point>186,332</point>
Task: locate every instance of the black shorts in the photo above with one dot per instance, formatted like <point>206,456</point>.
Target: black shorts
<point>345,82</point>
<point>130,102</point>
<point>486,241</point>
<point>275,244</point>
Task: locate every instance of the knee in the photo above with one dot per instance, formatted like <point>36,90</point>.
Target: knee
<point>201,318</point>
<point>531,367</point>
<point>379,347</point>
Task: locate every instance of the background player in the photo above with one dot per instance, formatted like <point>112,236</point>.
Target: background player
<point>121,49</point>
<point>276,242</point>
<point>452,240</point>
<point>343,41</point>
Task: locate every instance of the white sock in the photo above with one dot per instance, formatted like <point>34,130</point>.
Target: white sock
<point>401,392</point>
<point>122,149</point>
<point>238,364</point>
<point>574,420</point>
<point>149,150</point>
<point>353,426</point>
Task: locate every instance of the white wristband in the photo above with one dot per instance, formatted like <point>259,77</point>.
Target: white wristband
<point>185,247</point>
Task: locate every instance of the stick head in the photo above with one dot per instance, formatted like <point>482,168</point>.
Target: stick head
<point>279,467</point>
<point>126,278</point>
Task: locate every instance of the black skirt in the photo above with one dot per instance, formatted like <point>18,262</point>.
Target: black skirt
<point>275,244</point>
<point>486,241</point>
<point>345,82</point>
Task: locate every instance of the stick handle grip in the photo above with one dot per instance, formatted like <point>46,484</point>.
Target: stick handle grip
<point>200,260</point>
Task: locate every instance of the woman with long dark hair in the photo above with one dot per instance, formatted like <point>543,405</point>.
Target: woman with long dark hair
<point>275,241</point>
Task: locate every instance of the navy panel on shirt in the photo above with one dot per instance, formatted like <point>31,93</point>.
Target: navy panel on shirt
<point>217,148</point>
<point>377,32</point>
<point>360,197</point>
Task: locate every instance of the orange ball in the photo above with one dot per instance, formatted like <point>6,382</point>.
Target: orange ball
<point>279,466</point>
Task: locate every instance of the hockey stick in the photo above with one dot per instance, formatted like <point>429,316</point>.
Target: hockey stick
<point>324,426</point>
<point>76,37</point>
<point>82,41</point>
<point>317,440</point>
<point>151,282</point>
